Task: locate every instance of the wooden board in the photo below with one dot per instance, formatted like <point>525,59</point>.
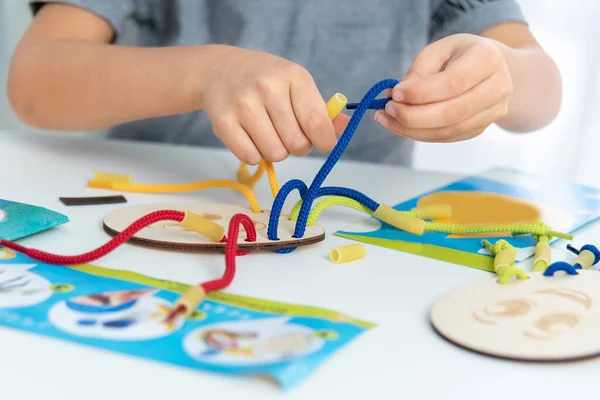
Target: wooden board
<point>540,319</point>
<point>170,235</point>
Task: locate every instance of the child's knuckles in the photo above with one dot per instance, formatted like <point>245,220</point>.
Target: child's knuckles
<point>487,51</point>
<point>269,86</point>
<point>295,70</point>
<point>224,124</point>
<point>246,102</point>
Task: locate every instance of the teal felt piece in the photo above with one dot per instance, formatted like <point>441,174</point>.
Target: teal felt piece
<point>18,220</point>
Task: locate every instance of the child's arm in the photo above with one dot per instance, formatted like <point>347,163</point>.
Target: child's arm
<point>461,84</point>
<point>66,75</point>
<point>536,80</point>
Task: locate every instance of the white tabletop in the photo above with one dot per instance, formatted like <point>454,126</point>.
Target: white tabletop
<point>402,358</point>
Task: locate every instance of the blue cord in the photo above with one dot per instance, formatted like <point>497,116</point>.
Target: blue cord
<point>278,204</point>
<point>325,191</point>
<point>378,104</point>
<point>560,266</point>
<point>589,247</point>
<point>335,155</point>
<point>308,195</point>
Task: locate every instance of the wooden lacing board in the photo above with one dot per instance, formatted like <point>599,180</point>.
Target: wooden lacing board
<point>171,235</point>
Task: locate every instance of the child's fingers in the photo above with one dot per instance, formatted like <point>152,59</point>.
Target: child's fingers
<point>452,133</point>
<point>279,107</point>
<point>311,114</point>
<point>255,120</point>
<point>453,111</point>
<point>461,74</point>
<point>235,138</point>
<point>340,122</point>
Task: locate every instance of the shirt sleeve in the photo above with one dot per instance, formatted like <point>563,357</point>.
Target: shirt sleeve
<point>115,12</point>
<point>452,17</point>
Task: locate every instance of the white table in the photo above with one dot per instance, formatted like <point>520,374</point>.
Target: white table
<point>403,358</point>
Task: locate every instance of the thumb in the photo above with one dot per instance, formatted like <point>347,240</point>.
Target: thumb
<point>340,122</point>
<point>398,93</point>
<point>423,73</point>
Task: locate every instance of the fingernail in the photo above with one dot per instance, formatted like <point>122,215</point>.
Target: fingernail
<point>397,94</point>
<point>390,110</point>
<point>381,117</point>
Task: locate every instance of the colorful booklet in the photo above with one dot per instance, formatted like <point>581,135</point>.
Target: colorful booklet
<point>124,312</point>
<point>496,197</point>
<point>18,220</point>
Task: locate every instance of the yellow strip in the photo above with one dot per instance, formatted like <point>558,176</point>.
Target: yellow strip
<point>107,177</point>
<point>179,188</point>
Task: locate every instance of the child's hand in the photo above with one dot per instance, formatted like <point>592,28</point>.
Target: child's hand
<point>454,90</point>
<point>265,107</point>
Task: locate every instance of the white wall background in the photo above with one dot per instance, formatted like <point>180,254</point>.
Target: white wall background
<point>567,148</point>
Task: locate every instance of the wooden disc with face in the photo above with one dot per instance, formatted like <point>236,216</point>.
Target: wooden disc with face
<point>544,318</point>
<point>171,235</point>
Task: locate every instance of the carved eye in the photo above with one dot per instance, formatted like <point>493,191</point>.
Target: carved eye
<point>509,308</point>
<point>557,322</point>
<point>173,227</point>
<point>212,217</point>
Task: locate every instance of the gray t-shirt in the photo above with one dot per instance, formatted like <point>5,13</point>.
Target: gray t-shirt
<point>347,46</point>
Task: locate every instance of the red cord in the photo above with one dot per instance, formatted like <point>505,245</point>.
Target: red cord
<point>101,251</point>
<point>217,284</point>
<point>231,251</point>
<point>230,254</point>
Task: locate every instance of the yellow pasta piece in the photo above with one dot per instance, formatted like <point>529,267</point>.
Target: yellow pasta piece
<point>400,220</point>
<point>336,104</point>
<point>191,299</point>
<point>344,254</point>
<point>542,256</point>
<point>585,259</point>
<point>505,258</point>
<point>203,226</point>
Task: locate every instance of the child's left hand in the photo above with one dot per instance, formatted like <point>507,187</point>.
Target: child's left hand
<point>453,91</point>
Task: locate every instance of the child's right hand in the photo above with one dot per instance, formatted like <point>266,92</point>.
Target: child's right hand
<point>265,107</point>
